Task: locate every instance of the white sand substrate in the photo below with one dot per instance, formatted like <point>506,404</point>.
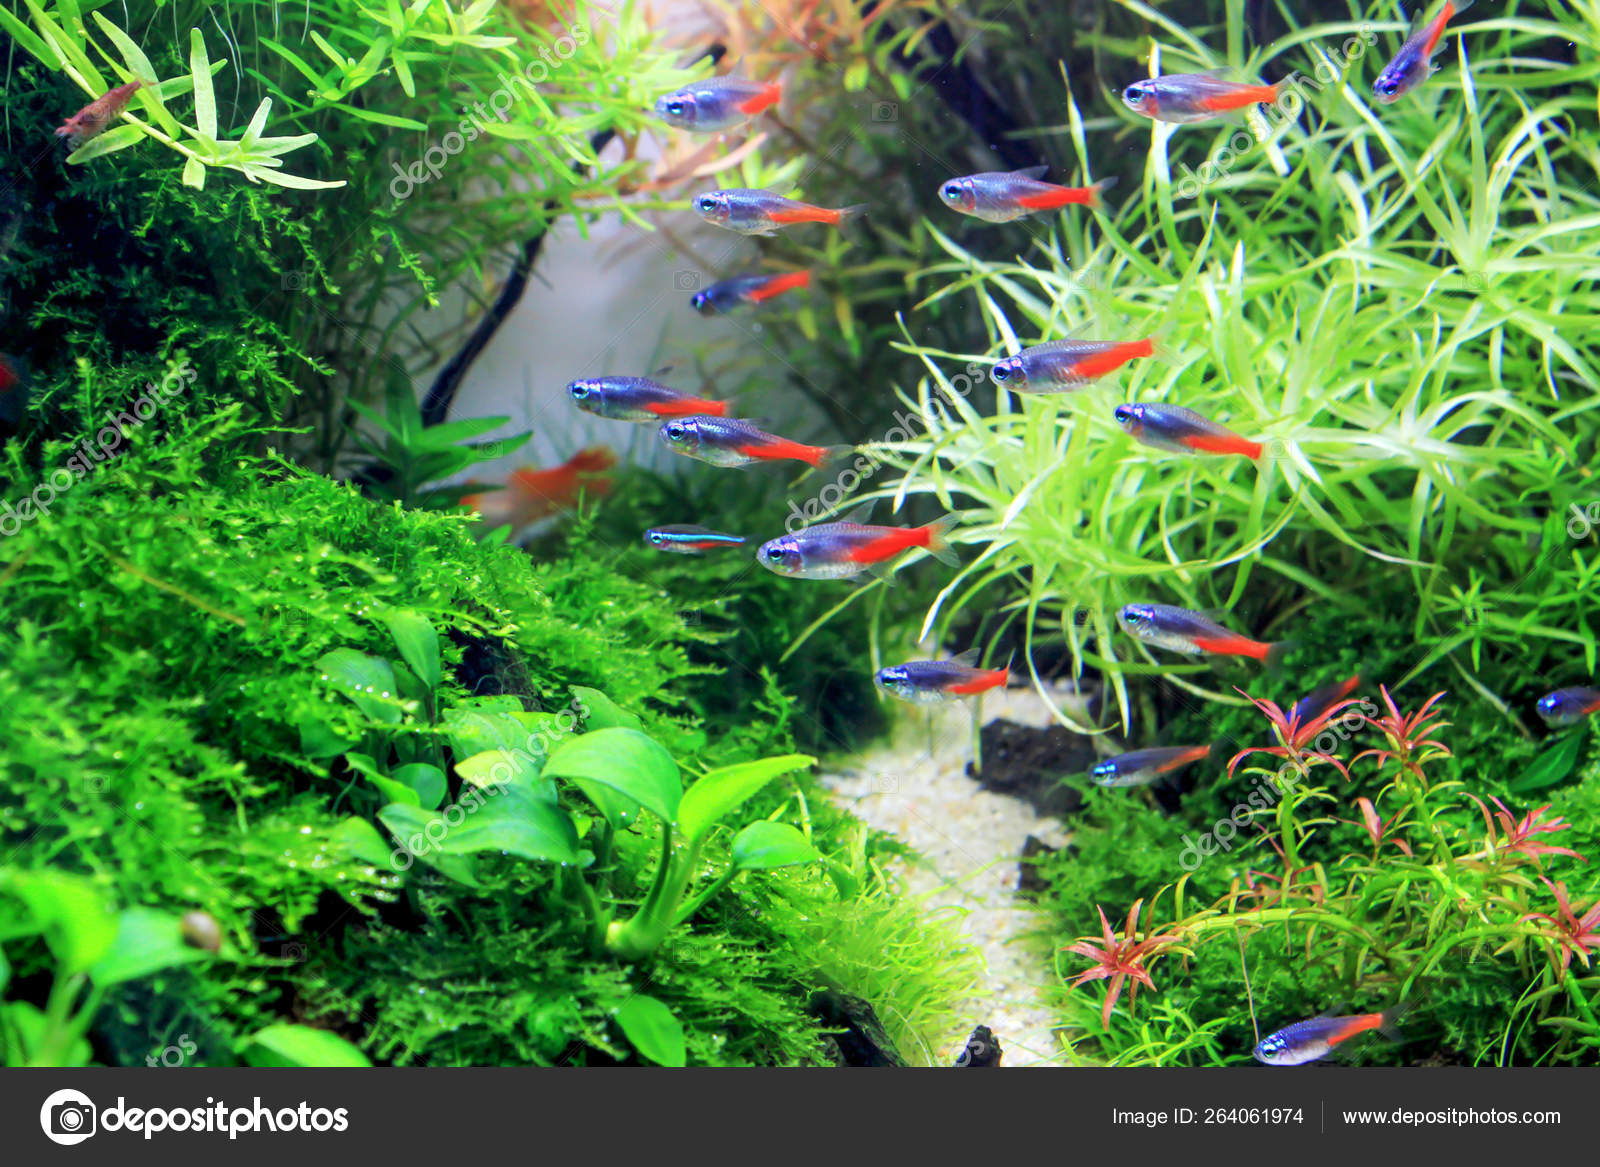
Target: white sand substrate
<point>916,787</point>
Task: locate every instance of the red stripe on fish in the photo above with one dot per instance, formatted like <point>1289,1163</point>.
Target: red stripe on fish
<point>1223,444</point>
<point>806,215</point>
<point>888,545</point>
<point>1239,98</point>
<point>982,683</point>
<point>688,407</point>
<point>1233,646</point>
<point>1060,196</point>
<point>1102,363</point>
<point>1355,1026</point>
<point>768,96</point>
<point>1437,30</point>
<point>779,284</point>
<point>781,449</point>
<point>1184,759</point>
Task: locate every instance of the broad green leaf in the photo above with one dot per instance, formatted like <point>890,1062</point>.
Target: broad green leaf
<point>652,1030</point>
<point>510,821</point>
<point>194,173</point>
<point>765,845</point>
<point>114,139</point>
<point>597,711</point>
<point>495,747</point>
<point>366,680</point>
<point>360,840</point>
<point>418,643</point>
<point>295,182</point>
<point>722,791</point>
<point>389,788</point>
<point>1553,764</point>
<point>624,760</point>
<point>29,39</point>
<point>300,1045</point>
<point>138,64</point>
<point>146,942</point>
<point>382,119</point>
<point>205,101</point>
<point>317,739</point>
<point>77,925</point>
<point>25,1030</point>
<point>428,782</point>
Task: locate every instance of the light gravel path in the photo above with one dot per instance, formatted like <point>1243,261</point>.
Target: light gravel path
<point>916,787</point>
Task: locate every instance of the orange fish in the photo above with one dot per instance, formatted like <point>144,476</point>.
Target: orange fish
<point>531,495</point>
<point>91,121</point>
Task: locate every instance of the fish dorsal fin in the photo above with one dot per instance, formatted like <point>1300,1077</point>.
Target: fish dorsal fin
<point>861,513</point>
<point>968,658</point>
<point>1032,171</point>
<point>663,371</point>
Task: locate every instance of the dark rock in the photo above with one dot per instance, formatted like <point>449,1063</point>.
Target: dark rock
<point>1030,763</point>
<point>1029,880</point>
<point>982,1051</point>
<point>854,1030</point>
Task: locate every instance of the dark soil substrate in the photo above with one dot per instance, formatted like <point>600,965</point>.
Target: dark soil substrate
<point>1029,764</point>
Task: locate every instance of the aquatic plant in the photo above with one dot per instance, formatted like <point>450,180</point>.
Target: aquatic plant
<point>1315,915</point>
<point>1378,300</point>
<point>168,625</point>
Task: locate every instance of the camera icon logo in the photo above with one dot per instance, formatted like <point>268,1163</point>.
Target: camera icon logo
<point>885,111</point>
<point>68,1117</point>
<point>686,281</point>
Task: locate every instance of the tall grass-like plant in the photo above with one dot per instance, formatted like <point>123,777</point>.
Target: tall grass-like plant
<point>1397,301</point>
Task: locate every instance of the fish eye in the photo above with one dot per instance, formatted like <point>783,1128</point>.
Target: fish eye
<point>1124,414</point>
<point>1001,371</point>
<point>675,430</point>
<point>655,537</point>
<point>578,390</point>
<point>951,192</point>
<point>675,108</point>
<point>706,203</point>
<point>1135,92</point>
<point>775,554</point>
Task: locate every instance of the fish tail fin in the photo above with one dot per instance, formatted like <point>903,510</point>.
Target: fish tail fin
<point>1277,653</point>
<point>1097,200</point>
<point>938,544</point>
<point>1161,344</point>
<point>832,455</point>
<point>1457,8</point>
<point>854,211</point>
<point>1389,1020</point>
<point>779,284</point>
<point>769,95</point>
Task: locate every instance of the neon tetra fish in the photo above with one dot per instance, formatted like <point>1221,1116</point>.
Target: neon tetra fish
<point>929,682</point>
<point>1062,365</point>
<point>845,549</point>
<point>1413,64</point>
<point>1172,427</point>
<point>732,441</point>
<point>686,539</point>
<point>760,212</point>
<point>999,196</point>
<point>726,295</point>
<point>1142,767</point>
<point>1180,630</point>
<point>1182,98</point>
<point>717,103</point>
<point>531,495</point>
<point>638,399</point>
<point>1309,1041</point>
<point>91,121</point>
<point>1569,706</point>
